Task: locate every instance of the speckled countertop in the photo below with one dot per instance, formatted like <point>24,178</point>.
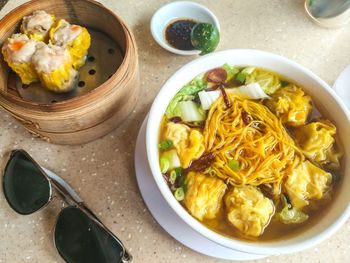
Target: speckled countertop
<point>103,173</point>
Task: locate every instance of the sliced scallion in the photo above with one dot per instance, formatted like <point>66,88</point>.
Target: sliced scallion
<point>165,145</point>
<point>234,165</point>
<point>179,194</point>
<point>178,171</point>
<point>172,177</point>
<point>164,164</point>
<point>169,160</point>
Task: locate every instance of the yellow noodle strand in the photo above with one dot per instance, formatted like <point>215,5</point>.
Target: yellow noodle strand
<point>265,151</point>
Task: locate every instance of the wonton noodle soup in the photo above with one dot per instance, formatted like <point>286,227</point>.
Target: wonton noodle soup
<point>247,153</point>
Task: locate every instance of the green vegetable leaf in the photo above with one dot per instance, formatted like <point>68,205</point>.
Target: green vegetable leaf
<point>248,70</point>
<point>205,37</point>
<point>284,83</point>
<point>267,81</point>
<point>165,145</point>
<point>191,111</point>
<point>291,215</point>
<point>241,77</point>
<point>169,160</point>
<point>231,71</point>
<point>234,165</point>
<point>188,92</point>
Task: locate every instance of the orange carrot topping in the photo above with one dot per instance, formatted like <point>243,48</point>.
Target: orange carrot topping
<point>75,27</point>
<point>17,45</point>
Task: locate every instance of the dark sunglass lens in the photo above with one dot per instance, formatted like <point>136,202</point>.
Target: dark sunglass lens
<point>80,239</point>
<point>25,187</point>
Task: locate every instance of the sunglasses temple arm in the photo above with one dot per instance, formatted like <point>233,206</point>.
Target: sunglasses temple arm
<point>64,188</point>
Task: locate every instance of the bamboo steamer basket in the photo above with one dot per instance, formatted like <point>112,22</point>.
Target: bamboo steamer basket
<point>91,115</point>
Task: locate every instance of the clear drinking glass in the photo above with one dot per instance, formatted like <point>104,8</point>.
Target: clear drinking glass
<point>328,13</point>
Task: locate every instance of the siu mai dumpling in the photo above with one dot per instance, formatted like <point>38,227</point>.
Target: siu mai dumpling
<point>316,140</point>
<point>248,210</point>
<point>76,38</point>
<point>18,51</point>
<point>189,143</point>
<point>307,182</point>
<point>291,104</point>
<point>54,67</point>
<point>204,194</point>
<point>37,25</point>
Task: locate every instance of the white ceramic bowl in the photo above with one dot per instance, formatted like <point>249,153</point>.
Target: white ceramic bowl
<point>176,10</point>
<point>324,97</point>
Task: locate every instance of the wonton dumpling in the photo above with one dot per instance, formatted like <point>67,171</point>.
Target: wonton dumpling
<point>189,143</point>
<point>204,195</point>
<point>307,182</point>
<point>291,105</point>
<point>316,139</point>
<point>248,210</point>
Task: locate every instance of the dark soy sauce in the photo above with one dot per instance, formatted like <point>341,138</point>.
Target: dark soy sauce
<point>178,34</point>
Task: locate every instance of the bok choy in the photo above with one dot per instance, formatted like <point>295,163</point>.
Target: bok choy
<point>190,111</point>
<point>268,82</point>
<point>169,160</point>
<point>290,215</point>
<point>187,93</point>
<point>251,91</point>
<point>207,98</point>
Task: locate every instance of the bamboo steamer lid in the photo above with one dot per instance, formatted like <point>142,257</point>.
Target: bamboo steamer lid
<point>91,115</point>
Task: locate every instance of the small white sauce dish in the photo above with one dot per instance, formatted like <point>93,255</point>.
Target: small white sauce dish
<point>177,10</point>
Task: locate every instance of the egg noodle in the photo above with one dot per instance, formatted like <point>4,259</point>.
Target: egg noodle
<point>253,136</point>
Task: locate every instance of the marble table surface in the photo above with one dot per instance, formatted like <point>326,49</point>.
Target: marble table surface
<point>102,171</point>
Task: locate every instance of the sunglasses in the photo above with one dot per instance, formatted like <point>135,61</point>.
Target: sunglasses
<point>79,236</point>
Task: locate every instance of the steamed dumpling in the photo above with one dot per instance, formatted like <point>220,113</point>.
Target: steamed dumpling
<point>76,38</point>
<point>37,25</point>
<point>316,140</point>
<point>54,67</point>
<point>189,143</point>
<point>307,182</point>
<point>18,51</point>
<point>248,210</point>
<point>290,104</point>
<point>204,194</point>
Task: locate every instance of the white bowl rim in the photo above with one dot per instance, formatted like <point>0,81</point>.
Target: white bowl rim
<point>166,46</point>
<point>254,248</point>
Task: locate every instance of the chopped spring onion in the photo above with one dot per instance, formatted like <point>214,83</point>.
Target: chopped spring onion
<point>165,145</point>
<point>234,165</point>
<point>250,91</point>
<point>178,171</point>
<point>190,111</point>
<point>241,77</point>
<point>169,160</point>
<point>172,177</point>
<point>164,164</point>
<point>179,194</point>
<point>207,98</point>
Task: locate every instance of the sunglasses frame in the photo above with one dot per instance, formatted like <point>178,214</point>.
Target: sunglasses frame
<point>68,195</point>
